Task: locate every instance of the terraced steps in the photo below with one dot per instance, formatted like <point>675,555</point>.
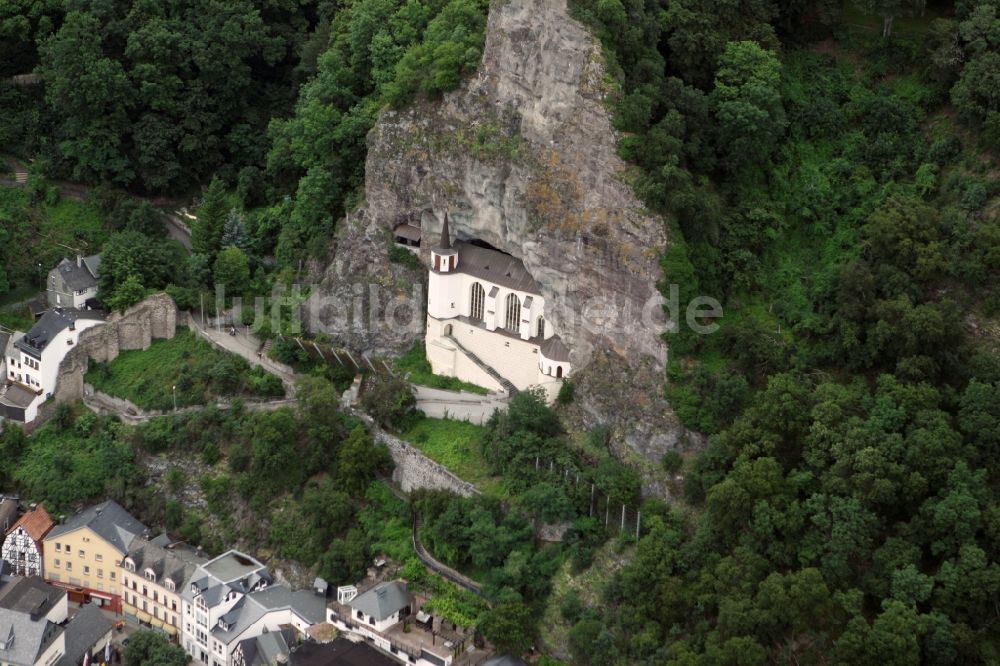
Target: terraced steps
<point>486,367</point>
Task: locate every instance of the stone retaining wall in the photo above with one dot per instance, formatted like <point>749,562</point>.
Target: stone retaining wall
<point>458,405</point>
<point>413,469</point>
<point>153,318</point>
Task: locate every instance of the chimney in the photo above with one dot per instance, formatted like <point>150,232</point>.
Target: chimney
<point>79,261</point>
<point>32,506</point>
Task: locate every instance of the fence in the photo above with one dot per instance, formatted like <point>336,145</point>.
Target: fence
<point>614,514</point>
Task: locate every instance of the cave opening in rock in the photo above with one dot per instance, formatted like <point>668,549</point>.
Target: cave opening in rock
<point>478,242</point>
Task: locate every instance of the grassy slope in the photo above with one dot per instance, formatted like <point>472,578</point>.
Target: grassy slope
<point>146,377</point>
<point>455,444</point>
<point>414,365</point>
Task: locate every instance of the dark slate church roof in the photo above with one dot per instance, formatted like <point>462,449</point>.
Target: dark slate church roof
<point>554,349</point>
<point>496,267</point>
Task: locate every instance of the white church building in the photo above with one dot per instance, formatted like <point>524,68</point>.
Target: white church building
<point>486,320</point>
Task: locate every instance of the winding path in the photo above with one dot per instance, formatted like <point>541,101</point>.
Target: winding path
<point>443,569</point>
<point>176,227</point>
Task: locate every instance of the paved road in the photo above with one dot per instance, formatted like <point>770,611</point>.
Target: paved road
<point>247,345</point>
<point>177,228</point>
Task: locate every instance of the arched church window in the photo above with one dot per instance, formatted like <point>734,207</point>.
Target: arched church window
<point>540,327</point>
<point>559,371</point>
<point>478,298</point>
<point>513,309</point>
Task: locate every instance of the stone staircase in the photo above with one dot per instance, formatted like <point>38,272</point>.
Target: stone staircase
<point>486,367</point>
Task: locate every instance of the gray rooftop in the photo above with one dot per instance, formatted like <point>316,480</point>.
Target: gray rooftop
<point>232,566</point>
<point>177,565</point>
<point>340,652</point>
<point>382,600</point>
<point>49,325</point>
<point>109,520</point>
<point>554,349</point>
<point>271,647</point>
<point>29,595</point>
<point>82,633</point>
<point>494,266</point>
<point>407,231</point>
<point>81,273</point>
<point>22,638</point>
<point>251,608</point>
<point>16,395</point>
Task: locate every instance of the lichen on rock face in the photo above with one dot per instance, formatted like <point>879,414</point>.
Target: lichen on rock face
<point>523,157</point>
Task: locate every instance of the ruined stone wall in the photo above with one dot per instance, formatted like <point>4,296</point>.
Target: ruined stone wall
<point>153,318</point>
<point>414,470</point>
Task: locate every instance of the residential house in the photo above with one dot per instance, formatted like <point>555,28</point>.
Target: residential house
<point>27,636</point>
<point>231,599</point>
<point>153,576</point>
<point>23,545</point>
<point>382,616</point>
<point>271,648</point>
<point>73,283</point>
<point>33,367</point>
<point>89,632</point>
<point>32,595</point>
<point>84,553</point>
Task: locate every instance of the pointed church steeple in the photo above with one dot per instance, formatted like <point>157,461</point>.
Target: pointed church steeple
<point>444,258</point>
<point>445,234</point>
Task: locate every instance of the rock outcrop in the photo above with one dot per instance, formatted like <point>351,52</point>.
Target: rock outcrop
<point>523,157</point>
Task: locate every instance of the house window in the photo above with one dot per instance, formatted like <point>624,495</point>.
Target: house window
<point>476,303</point>
<point>83,553</point>
<point>112,575</point>
<point>150,575</point>
<point>100,573</point>
<point>513,309</point>
<point>68,549</point>
<point>129,565</point>
<point>98,557</point>
<point>69,565</point>
<point>58,547</point>
<point>86,570</point>
<point>57,563</point>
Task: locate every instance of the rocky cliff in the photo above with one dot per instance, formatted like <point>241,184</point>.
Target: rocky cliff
<point>523,157</point>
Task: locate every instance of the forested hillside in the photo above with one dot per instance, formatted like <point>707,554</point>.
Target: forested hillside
<point>837,190</point>
<point>829,172</point>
